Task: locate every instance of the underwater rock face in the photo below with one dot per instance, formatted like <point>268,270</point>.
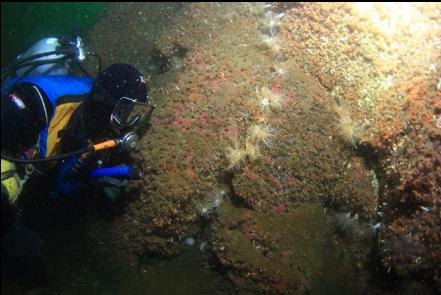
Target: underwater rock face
<point>226,80</point>
<point>389,84</point>
<point>410,161</point>
<point>356,189</point>
<point>271,252</point>
<point>126,33</point>
<point>213,103</point>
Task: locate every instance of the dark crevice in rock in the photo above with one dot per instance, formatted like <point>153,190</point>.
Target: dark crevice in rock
<point>161,63</point>
<point>236,200</point>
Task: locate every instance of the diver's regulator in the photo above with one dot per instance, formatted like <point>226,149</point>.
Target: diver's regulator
<point>12,183</point>
<point>126,144</point>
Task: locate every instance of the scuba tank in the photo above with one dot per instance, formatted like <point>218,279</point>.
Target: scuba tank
<point>50,56</point>
<point>49,44</point>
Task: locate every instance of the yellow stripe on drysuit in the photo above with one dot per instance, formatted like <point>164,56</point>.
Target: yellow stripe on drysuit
<point>59,122</point>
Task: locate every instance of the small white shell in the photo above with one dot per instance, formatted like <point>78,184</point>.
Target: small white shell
<point>202,246</point>
<point>189,241</point>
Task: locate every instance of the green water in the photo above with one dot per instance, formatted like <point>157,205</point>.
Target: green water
<point>25,23</point>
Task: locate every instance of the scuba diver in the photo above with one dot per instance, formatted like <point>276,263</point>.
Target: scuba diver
<point>65,129</point>
<point>55,124</point>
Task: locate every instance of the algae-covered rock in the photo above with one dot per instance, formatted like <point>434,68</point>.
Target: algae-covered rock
<point>356,190</point>
<point>225,87</point>
<point>277,253</point>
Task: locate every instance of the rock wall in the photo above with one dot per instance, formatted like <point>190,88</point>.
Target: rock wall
<point>265,111</point>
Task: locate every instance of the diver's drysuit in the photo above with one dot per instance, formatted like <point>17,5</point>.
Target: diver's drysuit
<point>49,120</point>
<point>74,110</point>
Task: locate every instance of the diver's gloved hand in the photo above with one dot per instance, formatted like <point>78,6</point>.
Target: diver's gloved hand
<point>65,186</point>
<point>135,173</point>
<point>114,180</point>
<point>66,181</point>
<point>112,186</point>
<point>66,176</point>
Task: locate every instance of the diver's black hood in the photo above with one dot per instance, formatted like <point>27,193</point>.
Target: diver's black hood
<point>22,118</point>
<point>116,81</point>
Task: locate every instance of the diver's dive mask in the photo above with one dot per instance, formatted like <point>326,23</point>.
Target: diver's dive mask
<point>127,113</point>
